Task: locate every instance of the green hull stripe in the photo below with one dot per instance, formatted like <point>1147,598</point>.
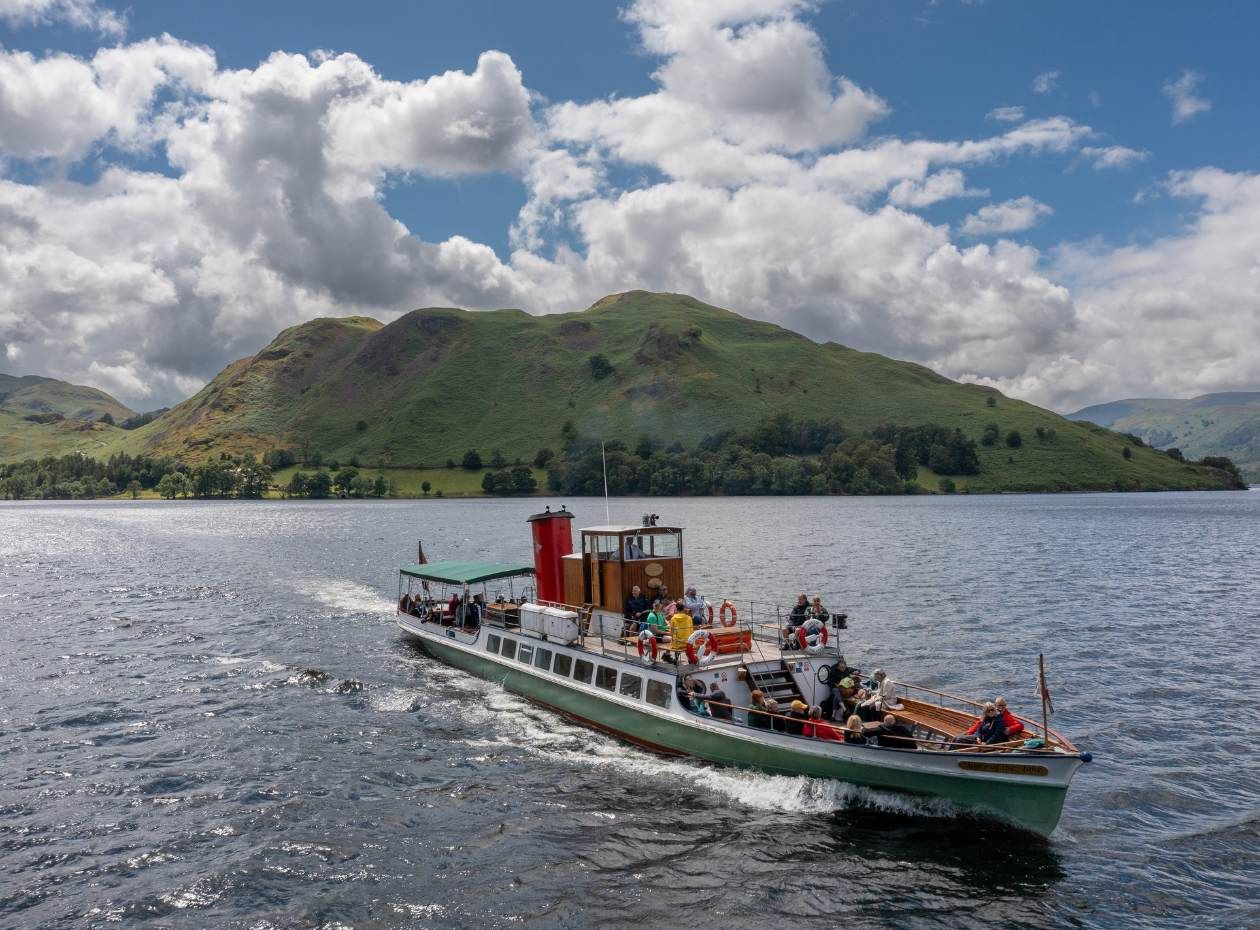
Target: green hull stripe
<point>1036,807</point>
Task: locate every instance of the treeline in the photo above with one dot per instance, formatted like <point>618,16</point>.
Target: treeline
<point>780,455</point>
<point>78,477</point>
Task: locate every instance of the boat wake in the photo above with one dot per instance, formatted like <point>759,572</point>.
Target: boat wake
<point>346,597</point>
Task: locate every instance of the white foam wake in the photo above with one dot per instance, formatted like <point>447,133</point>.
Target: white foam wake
<point>349,598</point>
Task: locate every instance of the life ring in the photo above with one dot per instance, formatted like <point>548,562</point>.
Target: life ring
<point>726,605</point>
<point>647,647</point>
<point>709,608</point>
<point>812,635</point>
<point>710,648</point>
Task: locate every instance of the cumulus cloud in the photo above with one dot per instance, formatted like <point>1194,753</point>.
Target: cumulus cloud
<point>1182,93</point>
<point>1006,114</point>
<point>763,193</point>
<point>1113,156</point>
<point>1045,82</point>
<point>81,14</point>
<point>1006,217</point>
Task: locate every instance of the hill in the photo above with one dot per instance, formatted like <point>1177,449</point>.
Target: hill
<point>437,382</point>
<point>1225,424</point>
<point>44,416</point>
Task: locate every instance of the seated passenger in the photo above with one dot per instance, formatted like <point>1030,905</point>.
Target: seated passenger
<point>895,735</point>
<point>471,617</point>
<point>636,610</point>
<point>757,716</point>
<point>799,614</point>
<point>694,604</point>
<point>777,723</point>
<point>404,603</point>
<point>718,703</point>
<point>452,606</point>
<point>656,621</point>
<point>685,694</point>
<point>1013,726</point>
<point>820,729</point>
<point>883,697</point>
<point>634,548</point>
<point>662,594</point>
<point>698,698</point>
<point>817,611</point>
<point>853,731</point>
<point>680,628</point>
<point>798,716</point>
<point>988,729</point>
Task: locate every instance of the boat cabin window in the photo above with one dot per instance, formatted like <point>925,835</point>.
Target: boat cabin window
<point>631,686</point>
<point>525,654</point>
<point>582,671</point>
<point>658,692</point>
<point>542,659</point>
<point>564,665</point>
<point>492,643</point>
<point>661,546</point>
<point>606,678</point>
<point>601,546</point>
<point>509,649</point>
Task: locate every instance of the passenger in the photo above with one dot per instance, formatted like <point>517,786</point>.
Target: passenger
<point>799,614</point>
<point>798,716</point>
<point>680,628</point>
<point>882,697</point>
<point>683,690</point>
<point>847,696</point>
<point>853,731</point>
<point>777,723</point>
<point>817,611</point>
<point>663,594</point>
<point>637,607</point>
<point>1013,726</point>
<point>472,613</point>
<point>452,608</point>
<point>988,729</point>
<point>698,699</point>
<point>718,703</point>
<point>757,716</point>
<point>657,621</point>
<point>694,604</point>
<point>634,548</point>
<point>820,729</point>
<point>895,735</point>
<point>404,603</point>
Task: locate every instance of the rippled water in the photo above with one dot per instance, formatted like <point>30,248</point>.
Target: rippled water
<point>208,719</point>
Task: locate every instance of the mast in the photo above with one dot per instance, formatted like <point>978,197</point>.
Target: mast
<point>1045,698</point>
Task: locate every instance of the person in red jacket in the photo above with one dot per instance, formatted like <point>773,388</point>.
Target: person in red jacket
<point>819,729</point>
<point>1013,726</point>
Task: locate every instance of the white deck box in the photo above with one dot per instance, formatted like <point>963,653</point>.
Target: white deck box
<point>558,625</point>
<point>534,618</point>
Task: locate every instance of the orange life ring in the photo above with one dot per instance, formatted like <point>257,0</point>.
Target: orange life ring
<point>647,647</point>
<point>710,609</point>
<point>726,605</point>
<point>710,648</point>
<point>815,639</point>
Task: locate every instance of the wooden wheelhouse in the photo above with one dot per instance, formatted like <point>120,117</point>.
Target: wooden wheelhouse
<point>613,559</point>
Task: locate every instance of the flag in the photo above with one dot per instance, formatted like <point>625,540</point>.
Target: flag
<point>420,557</point>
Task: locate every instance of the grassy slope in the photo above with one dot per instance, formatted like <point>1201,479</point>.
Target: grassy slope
<point>80,405</point>
<point>1214,424</point>
<point>436,382</point>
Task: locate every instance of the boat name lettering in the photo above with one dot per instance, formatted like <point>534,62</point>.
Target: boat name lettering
<point>1003,768</point>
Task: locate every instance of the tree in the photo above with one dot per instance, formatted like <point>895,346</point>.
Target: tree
<point>133,488</point>
<point>1175,454</point>
<point>379,487</point>
<point>472,460</point>
<point>523,480</point>
<point>426,487</point>
<point>601,368</point>
<point>543,457</point>
<point>947,485</point>
<point>344,480</point>
<point>1014,439</point>
<point>107,418</point>
<point>450,463</point>
<point>496,459</point>
<point>1127,452</point>
<point>298,485</point>
<point>361,426</point>
<point>490,482</point>
<point>253,478</point>
<point>172,485</point>
<point>992,432</point>
<point>990,401</point>
<point>319,484</point>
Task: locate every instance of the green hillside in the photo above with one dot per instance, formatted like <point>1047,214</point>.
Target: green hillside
<point>437,382</point>
<point>44,416</point>
<point>1211,424</point>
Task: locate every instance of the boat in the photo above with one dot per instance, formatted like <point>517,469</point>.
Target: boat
<point>554,632</point>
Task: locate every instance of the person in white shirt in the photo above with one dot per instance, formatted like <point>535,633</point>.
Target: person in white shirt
<point>882,698</point>
<point>694,605</point>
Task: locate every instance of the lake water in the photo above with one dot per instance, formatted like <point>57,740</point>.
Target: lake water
<point>208,719</point>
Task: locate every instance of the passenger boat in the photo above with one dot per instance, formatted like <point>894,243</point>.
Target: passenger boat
<point>554,632</point>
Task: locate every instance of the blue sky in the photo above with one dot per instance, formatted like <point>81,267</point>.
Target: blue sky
<point>1051,276</point>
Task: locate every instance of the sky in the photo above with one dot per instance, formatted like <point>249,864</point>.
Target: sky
<point>1061,200</point>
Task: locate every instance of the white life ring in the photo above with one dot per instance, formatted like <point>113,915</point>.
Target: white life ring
<point>812,635</point>
<point>647,647</point>
<point>710,648</point>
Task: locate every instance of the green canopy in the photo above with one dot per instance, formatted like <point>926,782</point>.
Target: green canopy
<point>466,572</point>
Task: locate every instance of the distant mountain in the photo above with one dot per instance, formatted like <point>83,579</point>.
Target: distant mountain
<point>1212,424</point>
<point>437,382</point>
<point>40,416</point>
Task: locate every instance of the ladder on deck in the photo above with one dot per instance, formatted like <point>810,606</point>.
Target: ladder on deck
<point>777,683</point>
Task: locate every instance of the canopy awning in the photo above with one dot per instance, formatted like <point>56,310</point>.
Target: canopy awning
<point>466,572</point>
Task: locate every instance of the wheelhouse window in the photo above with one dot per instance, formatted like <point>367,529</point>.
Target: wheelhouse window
<point>492,643</point>
<point>582,671</point>
<point>509,649</point>
<point>606,678</point>
<point>658,693</point>
<point>564,664</point>
<point>542,659</point>
<point>632,686</point>
<point>525,653</point>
